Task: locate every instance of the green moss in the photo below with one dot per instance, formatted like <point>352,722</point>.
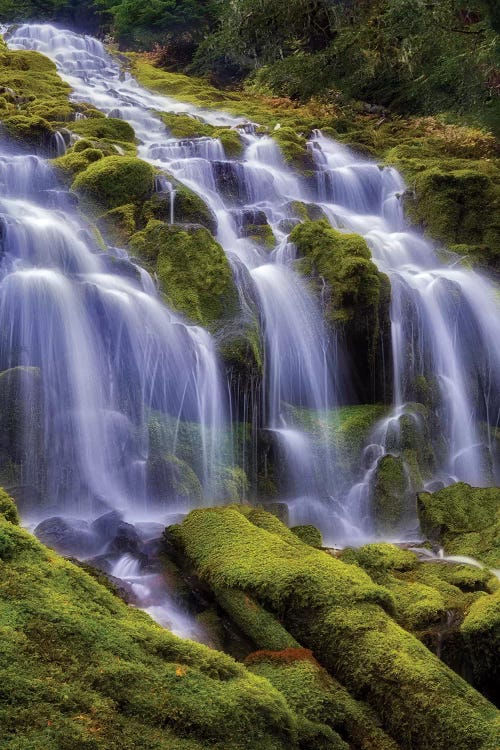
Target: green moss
<point>8,508</point>
<point>185,126</point>
<point>77,160</point>
<point>262,234</point>
<point>481,632</point>
<point>264,630</point>
<point>188,208</point>
<point>170,477</point>
<point>312,692</point>
<point>390,493</point>
<point>105,128</point>
<point>192,268</point>
<point>80,669</point>
<point>119,224</point>
<point>36,97</point>
<point>384,557</point>
<point>115,181</point>
<point>294,148</point>
<point>309,535</point>
<point>340,613</point>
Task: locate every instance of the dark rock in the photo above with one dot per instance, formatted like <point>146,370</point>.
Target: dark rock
<point>126,540</point>
<point>67,535</point>
<point>106,526</point>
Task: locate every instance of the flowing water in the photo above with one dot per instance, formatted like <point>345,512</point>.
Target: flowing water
<point>445,319</point>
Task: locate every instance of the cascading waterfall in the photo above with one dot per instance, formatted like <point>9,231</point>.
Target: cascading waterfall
<point>299,352</point>
<point>445,319</point>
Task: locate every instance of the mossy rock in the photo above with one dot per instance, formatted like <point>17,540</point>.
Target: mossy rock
<point>465,519</point>
<point>119,224</point>
<point>187,127</point>
<point>481,632</point>
<point>80,669</point>
<point>187,208</point>
<point>336,610</point>
<point>36,97</point>
<point>382,556</point>
<point>8,508</point>
<point>294,148</point>
<point>105,128</point>
<point>77,160</point>
<point>391,491</point>
<point>357,295</point>
<point>115,181</point>
<point>309,535</point>
<point>192,268</point>
<point>458,207</point>
<point>168,477</point>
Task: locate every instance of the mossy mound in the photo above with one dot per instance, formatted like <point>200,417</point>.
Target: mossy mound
<point>119,224</point>
<point>115,181</point>
<point>8,508</point>
<point>392,493</point>
<point>465,519</point>
<point>337,610</point>
<point>192,268</point>
<point>481,632</point>
<point>460,208</point>
<point>80,669</point>
<point>104,128</point>
<point>187,127</point>
<point>32,97</point>
<point>294,148</point>
<point>182,205</point>
<point>169,478</point>
<point>309,535</point>
<point>358,296</point>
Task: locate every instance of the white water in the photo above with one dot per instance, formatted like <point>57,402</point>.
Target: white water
<point>445,320</point>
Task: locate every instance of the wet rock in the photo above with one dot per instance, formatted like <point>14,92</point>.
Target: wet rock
<point>106,526</point>
<point>67,535</point>
<point>126,540</point>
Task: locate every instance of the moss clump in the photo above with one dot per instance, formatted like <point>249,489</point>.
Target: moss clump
<point>186,127</point>
<point>119,224</point>
<point>105,128</point>
<point>33,97</point>
<point>390,493</point>
<point>168,477</point>
<point>465,519</point>
<point>80,669</point>
<point>309,535</point>
<point>8,508</point>
<point>340,613</point>
<point>294,148</point>
<point>384,557</point>
<point>115,181</point>
<point>192,268</point>
<point>458,207</point>
<point>358,296</point>
<point>77,160</point>
<point>182,205</point>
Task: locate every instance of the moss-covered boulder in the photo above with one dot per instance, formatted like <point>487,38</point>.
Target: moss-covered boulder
<point>105,128</point>
<point>294,148</point>
<point>481,632</point>
<point>337,610</point>
<point>309,535</point>
<point>392,494</point>
<point>358,296</point>
<point>459,207</point>
<point>169,478</point>
<point>119,224</point>
<point>115,181</point>
<point>192,268</point>
<point>80,669</point>
<point>32,97</point>
<point>179,206</point>
<point>465,519</point>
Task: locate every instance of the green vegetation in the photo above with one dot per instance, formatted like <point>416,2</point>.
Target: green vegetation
<point>465,519</point>
<point>309,535</point>
<point>338,611</point>
<point>80,669</point>
<point>115,181</point>
<point>192,268</point>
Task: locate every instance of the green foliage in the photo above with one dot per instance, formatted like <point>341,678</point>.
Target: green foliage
<point>32,97</point>
<point>192,268</point>
<point>115,181</point>
<point>335,609</point>
<point>465,519</point>
<point>80,669</point>
<point>309,535</point>
<point>8,508</point>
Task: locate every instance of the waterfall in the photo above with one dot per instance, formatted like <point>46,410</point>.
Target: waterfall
<point>101,348</point>
<point>445,319</point>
